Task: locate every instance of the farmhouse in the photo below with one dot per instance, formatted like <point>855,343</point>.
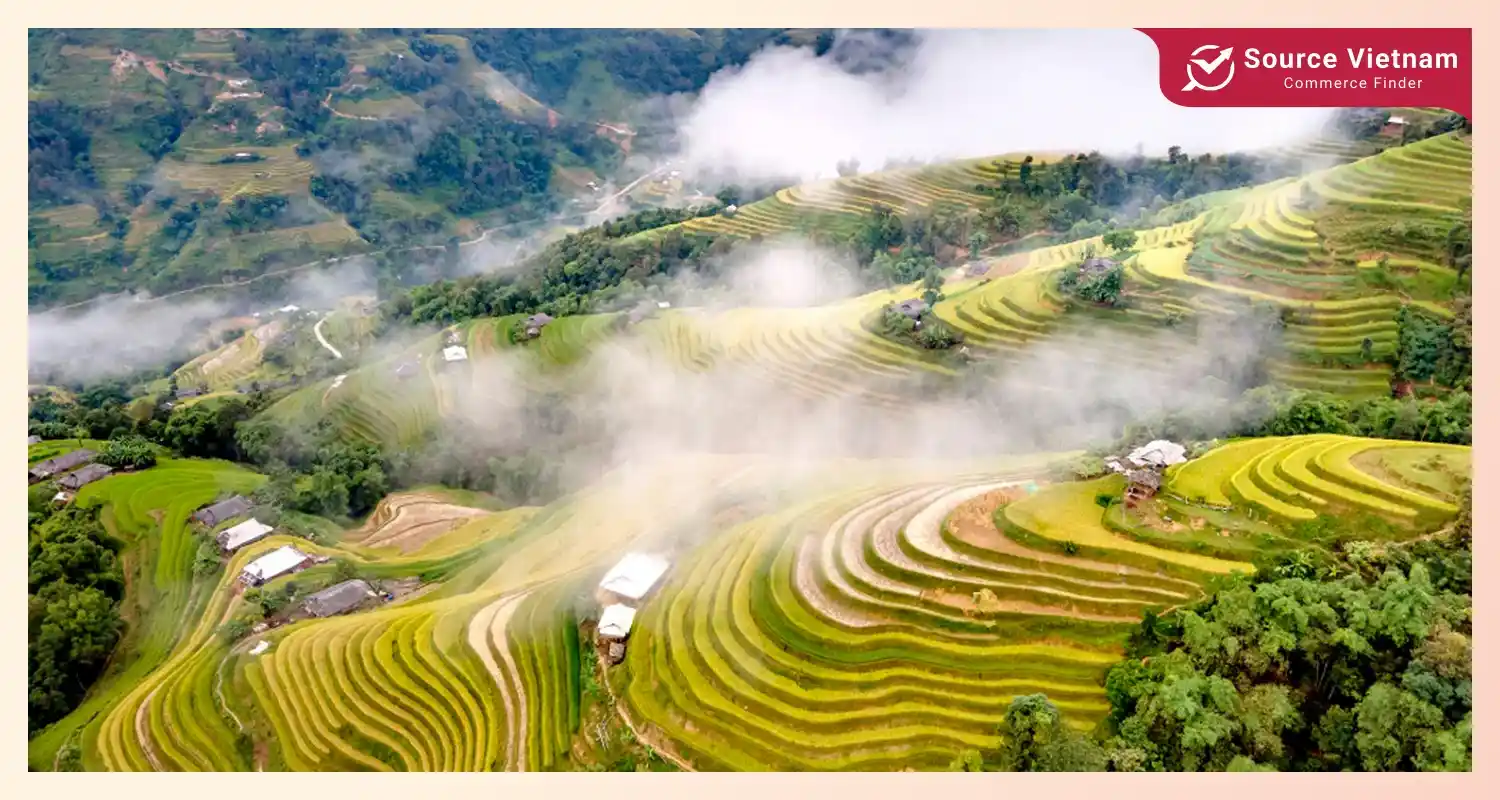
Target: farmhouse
<point>1097,266</point>
<point>78,479</point>
<point>632,577</point>
<point>1142,485</point>
<point>730,210</point>
<point>232,539</point>
<point>62,463</point>
<point>338,598</point>
<point>183,394</point>
<point>614,629</point>
<point>454,354</point>
<point>221,511</point>
<point>281,561</point>
<point>31,440</point>
<point>535,323</point>
<point>912,309</point>
<point>62,498</point>
<point>1393,126</point>
<point>1158,454</point>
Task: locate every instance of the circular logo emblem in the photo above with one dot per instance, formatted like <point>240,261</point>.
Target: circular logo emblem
<point>1201,71</point>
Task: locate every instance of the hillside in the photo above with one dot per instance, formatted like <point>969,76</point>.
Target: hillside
<point>876,615</point>
<point>164,160</point>
<point>886,438</point>
<point>1314,252</point>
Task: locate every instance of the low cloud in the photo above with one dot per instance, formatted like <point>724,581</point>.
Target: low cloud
<point>956,94</point>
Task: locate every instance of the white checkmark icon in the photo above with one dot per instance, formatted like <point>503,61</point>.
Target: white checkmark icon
<point>1209,66</point>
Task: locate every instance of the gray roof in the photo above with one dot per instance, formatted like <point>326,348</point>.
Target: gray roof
<point>537,320</point>
<point>62,463</point>
<point>1144,477</point>
<point>912,308</point>
<point>222,510</point>
<point>1099,264</point>
<point>338,598</point>
<point>31,440</point>
<point>87,475</point>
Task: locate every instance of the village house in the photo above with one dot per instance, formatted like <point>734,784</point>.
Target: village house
<point>1141,485</point>
<point>31,440</point>
<point>535,323</point>
<point>455,354</point>
<point>632,578</point>
<point>278,562</point>
<point>183,394</point>
<point>78,479</point>
<point>912,309</point>
<point>1097,265</point>
<point>251,530</point>
<point>1158,454</point>
<point>62,498</point>
<point>52,466</point>
<point>1394,126</point>
<point>614,629</point>
<point>222,511</point>
<point>338,598</point>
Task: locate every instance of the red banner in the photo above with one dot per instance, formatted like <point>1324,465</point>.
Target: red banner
<point>1318,67</point>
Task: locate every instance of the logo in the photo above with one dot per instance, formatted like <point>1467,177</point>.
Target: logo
<point>1210,67</point>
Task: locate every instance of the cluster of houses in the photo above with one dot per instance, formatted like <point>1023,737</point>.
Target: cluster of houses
<point>284,560</point>
<point>1144,468</point>
<point>76,468</point>
<point>620,593</point>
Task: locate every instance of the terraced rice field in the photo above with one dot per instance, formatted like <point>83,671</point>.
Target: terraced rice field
<point>837,205</point>
<point>876,616</point>
<point>166,605</point>
<point>281,171</point>
<point>227,366</point>
<point>1299,478</point>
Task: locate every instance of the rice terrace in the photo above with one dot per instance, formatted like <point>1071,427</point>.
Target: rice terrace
<point>1125,458</point>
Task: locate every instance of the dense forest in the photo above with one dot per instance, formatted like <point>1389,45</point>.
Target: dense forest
<point>1356,660</point>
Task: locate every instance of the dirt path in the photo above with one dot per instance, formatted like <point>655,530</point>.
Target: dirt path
<point>318,332</point>
<point>489,626</point>
<point>328,104</point>
<point>651,740</point>
<point>143,733</point>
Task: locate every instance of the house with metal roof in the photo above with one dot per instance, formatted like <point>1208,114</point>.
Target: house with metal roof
<point>251,530</point>
<point>80,478</point>
<point>222,511</point>
<point>338,598</point>
<point>633,577</point>
<point>52,466</point>
<point>278,562</point>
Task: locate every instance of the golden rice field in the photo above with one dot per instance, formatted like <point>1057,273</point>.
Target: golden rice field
<point>873,616</point>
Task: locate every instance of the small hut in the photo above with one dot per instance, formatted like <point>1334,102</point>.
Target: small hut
<point>338,598</point>
<point>222,511</point>
<point>535,323</point>
<point>78,479</point>
<point>1142,485</point>
<point>912,309</point>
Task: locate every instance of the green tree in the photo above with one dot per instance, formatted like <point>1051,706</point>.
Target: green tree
<point>128,452</point>
<point>977,241</point>
<point>1035,738</point>
<point>1119,241</point>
